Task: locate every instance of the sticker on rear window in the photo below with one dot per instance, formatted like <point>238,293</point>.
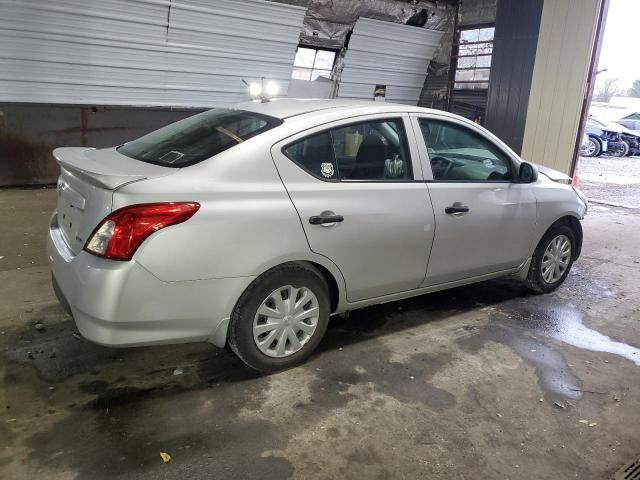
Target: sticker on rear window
<point>327,170</point>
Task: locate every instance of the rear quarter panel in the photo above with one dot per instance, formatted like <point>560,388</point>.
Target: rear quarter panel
<point>246,223</point>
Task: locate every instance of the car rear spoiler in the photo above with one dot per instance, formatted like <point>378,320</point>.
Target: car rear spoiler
<point>93,170</point>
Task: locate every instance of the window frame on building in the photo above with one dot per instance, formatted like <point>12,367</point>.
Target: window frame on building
<point>313,69</point>
<point>463,54</point>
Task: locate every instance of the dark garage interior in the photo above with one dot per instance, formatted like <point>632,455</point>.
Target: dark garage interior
<point>484,380</point>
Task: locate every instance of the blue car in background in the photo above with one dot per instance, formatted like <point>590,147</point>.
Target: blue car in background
<point>603,138</point>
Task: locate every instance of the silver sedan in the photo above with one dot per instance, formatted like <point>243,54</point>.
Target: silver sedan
<point>252,225</point>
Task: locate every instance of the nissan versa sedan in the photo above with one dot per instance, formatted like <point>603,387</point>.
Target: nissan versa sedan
<point>250,226</point>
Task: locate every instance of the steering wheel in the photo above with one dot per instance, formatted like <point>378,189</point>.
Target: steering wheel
<point>441,167</point>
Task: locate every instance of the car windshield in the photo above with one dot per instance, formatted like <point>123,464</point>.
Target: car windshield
<point>197,138</point>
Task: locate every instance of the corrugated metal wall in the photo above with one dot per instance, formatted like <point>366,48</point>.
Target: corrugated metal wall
<point>471,104</point>
<point>384,53</point>
<point>565,43</point>
<point>143,52</point>
<point>514,54</point>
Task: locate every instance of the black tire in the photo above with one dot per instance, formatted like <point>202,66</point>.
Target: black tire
<point>596,148</point>
<point>622,150</point>
<point>535,281</point>
<point>240,336</point>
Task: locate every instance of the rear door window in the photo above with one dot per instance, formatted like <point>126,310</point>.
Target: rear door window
<point>197,138</point>
<point>315,155</point>
<point>374,150</point>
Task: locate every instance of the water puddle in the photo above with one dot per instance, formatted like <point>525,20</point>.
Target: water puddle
<point>555,376</point>
<point>521,325</point>
<point>565,323</point>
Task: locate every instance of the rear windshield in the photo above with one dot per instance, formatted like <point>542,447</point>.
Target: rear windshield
<point>197,138</point>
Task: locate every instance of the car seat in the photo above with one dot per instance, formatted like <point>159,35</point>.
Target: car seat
<point>370,159</point>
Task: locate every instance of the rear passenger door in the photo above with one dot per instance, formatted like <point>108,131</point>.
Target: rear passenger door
<point>485,219</point>
<point>357,186</point>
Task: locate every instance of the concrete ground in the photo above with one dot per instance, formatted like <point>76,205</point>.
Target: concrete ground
<point>485,381</point>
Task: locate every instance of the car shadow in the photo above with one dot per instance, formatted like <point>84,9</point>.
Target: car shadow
<point>108,376</point>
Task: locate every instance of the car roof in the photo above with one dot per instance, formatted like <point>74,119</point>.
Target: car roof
<point>290,107</point>
<point>310,113</point>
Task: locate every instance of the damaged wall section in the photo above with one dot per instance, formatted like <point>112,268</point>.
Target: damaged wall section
<point>436,90</point>
<point>327,23</point>
<point>32,130</point>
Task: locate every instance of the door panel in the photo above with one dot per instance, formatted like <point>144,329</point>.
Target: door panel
<point>494,235</point>
<point>383,242</point>
<point>382,245</point>
<point>484,219</point>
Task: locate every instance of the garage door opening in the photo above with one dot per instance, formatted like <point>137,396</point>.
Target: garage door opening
<point>608,169</point>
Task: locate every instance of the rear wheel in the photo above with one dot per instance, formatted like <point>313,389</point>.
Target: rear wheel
<point>594,148</point>
<point>281,318</point>
<point>552,259</point>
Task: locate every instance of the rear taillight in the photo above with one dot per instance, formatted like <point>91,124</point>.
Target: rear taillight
<point>120,234</point>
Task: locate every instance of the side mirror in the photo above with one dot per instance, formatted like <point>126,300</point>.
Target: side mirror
<point>528,173</point>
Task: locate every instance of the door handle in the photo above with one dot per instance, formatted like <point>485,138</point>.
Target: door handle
<point>456,208</point>
<point>324,219</point>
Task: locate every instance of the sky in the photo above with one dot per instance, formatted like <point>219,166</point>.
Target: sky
<point>619,54</point>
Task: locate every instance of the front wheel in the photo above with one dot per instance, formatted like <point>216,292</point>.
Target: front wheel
<point>593,149</point>
<point>551,260</point>
<point>281,318</point>
<point>622,150</point>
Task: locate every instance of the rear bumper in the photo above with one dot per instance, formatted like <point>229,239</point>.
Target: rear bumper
<point>122,304</point>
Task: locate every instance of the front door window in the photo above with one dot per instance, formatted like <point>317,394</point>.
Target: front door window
<point>458,154</point>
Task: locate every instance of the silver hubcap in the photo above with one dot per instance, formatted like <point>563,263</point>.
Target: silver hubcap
<point>285,321</point>
<point>556,259</point>
<point>592,147</point>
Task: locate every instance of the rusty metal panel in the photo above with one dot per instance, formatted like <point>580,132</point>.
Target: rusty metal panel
<point>29,132</point>
<point>391,54</point>
<point>192,53</point>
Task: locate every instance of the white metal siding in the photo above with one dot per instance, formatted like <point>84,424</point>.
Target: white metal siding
<point>385,53</point>
<point>193,53</point>
<point>565,43</point>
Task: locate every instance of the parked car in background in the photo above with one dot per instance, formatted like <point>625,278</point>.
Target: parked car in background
<point>584,144</point>
<point>631,121</point>
<point>249,226</point>
<point>603,138</point>
<point>631,140</point>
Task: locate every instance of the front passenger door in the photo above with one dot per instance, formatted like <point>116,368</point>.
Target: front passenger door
<point>484,218</point>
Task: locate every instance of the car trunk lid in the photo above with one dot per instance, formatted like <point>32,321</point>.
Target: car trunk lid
<point>88,179</point>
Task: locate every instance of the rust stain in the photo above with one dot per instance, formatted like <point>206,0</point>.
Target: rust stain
<point>84,123</point>
<point>25,162</point>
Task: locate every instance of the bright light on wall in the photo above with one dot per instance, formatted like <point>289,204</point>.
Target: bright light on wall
<point>255,89</point>
<point>261,91</point>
